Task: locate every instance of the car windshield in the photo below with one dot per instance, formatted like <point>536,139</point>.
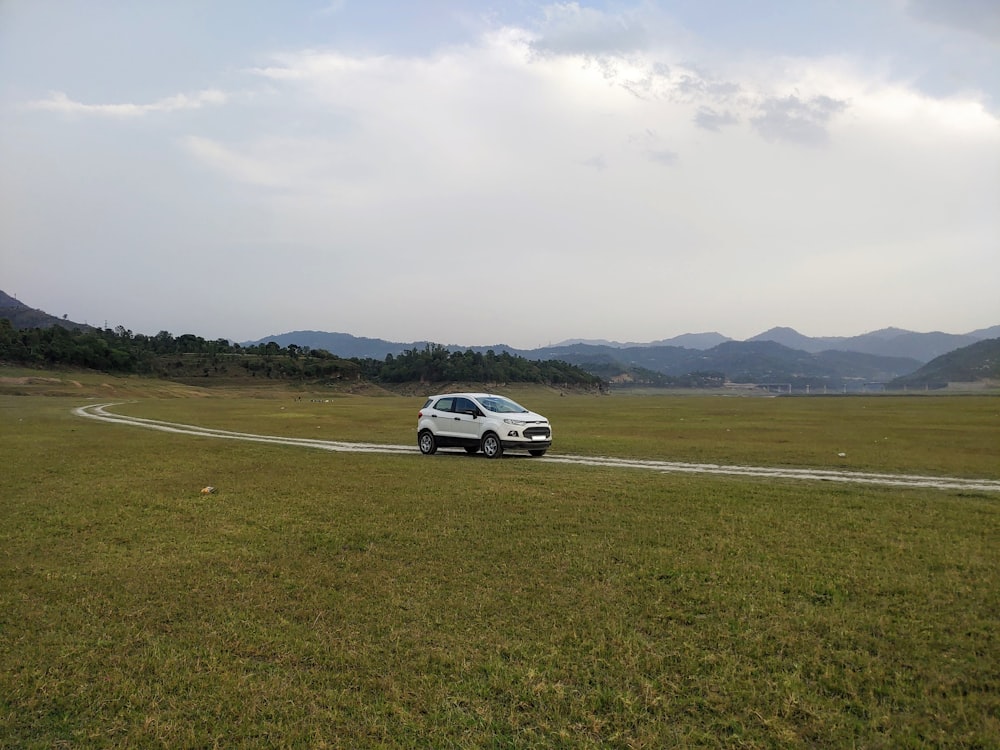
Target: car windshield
<point>501,405</point>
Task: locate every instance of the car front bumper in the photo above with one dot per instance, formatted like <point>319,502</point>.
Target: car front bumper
<point>520,444</point>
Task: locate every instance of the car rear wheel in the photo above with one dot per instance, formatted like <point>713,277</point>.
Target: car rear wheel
<point>491,446</point>
<point>537,453</point>
<point>427,443</point>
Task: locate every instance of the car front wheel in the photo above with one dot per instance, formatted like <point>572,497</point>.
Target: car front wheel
<point>427,443</point>
<point>491,446</point>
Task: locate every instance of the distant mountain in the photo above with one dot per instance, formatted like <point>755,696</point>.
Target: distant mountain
<point>794,340</point>
<point>737,361</point>
<point>689,340</point>
<point>596,342</point>
<point>667,360</point>
<point>21,316</point>
<point>347,346</point>
<point>694,340</point>
<point>978,361</point>
<point>779,355</point>
<point>342,344</point>
<point>986,333</point>
<point>889,342</point>
<point>740,362</point>
<point>920,346</point>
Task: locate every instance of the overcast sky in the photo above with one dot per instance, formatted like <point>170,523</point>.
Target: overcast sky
<point>509,172</point>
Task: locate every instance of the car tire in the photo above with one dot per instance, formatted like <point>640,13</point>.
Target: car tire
<point>427,443</point>
<point>492,446</point>
<point>537,454</point>
<point>472,449</point>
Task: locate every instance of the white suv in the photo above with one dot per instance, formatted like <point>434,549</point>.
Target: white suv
<point>477,421</point>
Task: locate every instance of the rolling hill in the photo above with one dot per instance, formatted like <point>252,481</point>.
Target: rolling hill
<point>778,356</point>
<point>889,342</point>
<point>22,316</point>
<point>977,362</point>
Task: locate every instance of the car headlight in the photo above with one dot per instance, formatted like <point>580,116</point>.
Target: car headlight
<point>518,422</point>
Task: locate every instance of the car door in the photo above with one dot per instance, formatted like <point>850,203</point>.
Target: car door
<point>445,420</point>
<point>467,418</point>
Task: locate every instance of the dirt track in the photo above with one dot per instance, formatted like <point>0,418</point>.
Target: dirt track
<point>99,412</point>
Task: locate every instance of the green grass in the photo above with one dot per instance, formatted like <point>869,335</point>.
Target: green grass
<point>957,435</point>
<point>346,600</point>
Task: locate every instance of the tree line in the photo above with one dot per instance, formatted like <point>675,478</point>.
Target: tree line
<point>436,363</point>
<point>121,351</point>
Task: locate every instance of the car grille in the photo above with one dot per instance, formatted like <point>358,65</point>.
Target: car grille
<point>530,432</point>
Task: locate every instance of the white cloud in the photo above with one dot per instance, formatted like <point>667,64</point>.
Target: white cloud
<point>493,121</point>
<point>629,189</point>
<point>58,101</point>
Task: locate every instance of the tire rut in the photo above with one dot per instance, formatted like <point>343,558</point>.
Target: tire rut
<point>100,412</point>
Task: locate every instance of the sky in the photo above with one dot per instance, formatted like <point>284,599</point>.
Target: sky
<point>475,173</point>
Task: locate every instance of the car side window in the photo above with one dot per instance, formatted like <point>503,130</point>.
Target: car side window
<point>444,404</point>
<point>463,405</point>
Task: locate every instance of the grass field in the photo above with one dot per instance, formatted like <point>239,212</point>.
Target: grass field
<point>354,600</point>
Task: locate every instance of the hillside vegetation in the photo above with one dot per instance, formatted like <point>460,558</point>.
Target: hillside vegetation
<point>22,316</point>
<point>979,361</point>
<point>188,357</point>
<point>780,358</point>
